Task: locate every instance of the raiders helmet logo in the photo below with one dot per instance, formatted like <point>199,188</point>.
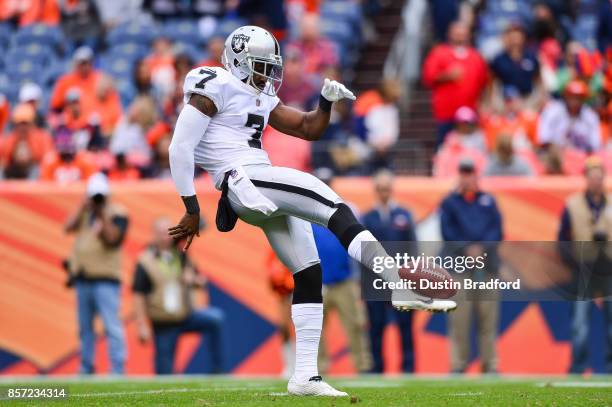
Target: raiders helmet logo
<point>238,42</point>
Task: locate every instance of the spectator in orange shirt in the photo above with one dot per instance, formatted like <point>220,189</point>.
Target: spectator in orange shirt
<point>83,126</point>
<point>215,49</point>
<point>515,120</point>
<point>66,164</point>
<point>83,77</point>
<point>30,12</point>
<point>161,64</point>
<point>22,150</point>
<point>159,138</point>
<point>123,170</point>
<point>107,105</point>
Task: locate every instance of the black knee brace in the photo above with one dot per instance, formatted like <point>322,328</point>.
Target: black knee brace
<point>344,225</point>
<point>308,285</point>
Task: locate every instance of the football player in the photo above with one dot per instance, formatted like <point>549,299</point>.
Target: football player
<point>220,129</point>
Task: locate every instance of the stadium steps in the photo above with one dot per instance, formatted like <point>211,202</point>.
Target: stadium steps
<point>417,125</point>
<point>417,128</point>
<point>372,59</point>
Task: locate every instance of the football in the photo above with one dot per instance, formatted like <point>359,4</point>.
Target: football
<point>431,281</point>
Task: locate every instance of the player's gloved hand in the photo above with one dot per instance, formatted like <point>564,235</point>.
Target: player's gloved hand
<point>188,228</point>
<point>335,91</point>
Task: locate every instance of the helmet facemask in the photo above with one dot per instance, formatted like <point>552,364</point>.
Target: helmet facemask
<point>271,69</point>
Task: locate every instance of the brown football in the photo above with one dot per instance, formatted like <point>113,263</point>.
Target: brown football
<point>431,281</point>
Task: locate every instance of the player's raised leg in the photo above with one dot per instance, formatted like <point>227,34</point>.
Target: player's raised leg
<point>300,194</point>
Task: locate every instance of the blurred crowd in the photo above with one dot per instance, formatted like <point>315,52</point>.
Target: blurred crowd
<point>91,85</point>
<point>521,87</point>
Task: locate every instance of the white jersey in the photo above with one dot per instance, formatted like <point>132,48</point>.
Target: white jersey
<point>233,136</point>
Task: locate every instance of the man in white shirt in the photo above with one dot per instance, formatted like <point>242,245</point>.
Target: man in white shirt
<point>570,122</point>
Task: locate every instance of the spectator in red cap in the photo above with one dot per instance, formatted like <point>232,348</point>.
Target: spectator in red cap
<point>24,148</point>
<point>457,75</point>
<point>570,122</point>
<point>467,132</point>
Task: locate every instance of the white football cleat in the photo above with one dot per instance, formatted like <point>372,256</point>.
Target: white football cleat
<point>315,386</point>
<point>403,301</point>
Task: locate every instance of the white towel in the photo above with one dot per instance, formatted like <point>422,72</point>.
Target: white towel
<point>248,194</point>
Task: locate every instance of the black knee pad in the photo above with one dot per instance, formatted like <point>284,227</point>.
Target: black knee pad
<point>344,225</point>
<point>308,285</point>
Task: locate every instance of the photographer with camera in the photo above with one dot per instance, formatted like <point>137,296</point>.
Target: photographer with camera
<point>586,222</point>
<point>95,270</point>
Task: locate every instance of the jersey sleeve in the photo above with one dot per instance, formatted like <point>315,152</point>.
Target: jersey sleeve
<point>207,82</point>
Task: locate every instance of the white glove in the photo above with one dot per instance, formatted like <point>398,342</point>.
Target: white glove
<point>334,91</point>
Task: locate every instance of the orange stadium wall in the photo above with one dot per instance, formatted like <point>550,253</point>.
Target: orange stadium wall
<point>38,331</point>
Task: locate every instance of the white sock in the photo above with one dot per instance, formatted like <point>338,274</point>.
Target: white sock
<point>355,250</point>
<point>308,322</point>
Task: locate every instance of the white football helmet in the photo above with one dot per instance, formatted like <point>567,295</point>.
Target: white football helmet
<point>251,50</point>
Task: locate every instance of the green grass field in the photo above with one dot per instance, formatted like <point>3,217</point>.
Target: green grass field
<point>363,390</point>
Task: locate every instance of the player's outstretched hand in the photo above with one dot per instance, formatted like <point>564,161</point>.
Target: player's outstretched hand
<point>188,227</point>
<point>334,91</point>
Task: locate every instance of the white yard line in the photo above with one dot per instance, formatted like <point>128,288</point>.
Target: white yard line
<point>367,383</point>
<point>163,391</point>
<point>467,394</point>
<point>585,384</point>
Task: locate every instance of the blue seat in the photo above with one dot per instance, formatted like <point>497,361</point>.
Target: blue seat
<point>34,52</point>
<point>339,32</point>
<point>5,35</point>
<point>348,11</point>
<point>11,91</point>
<point>54,71</point>
<point>182,31</point>
<point>127,92</point>
<point>120,68</point>
<point>229,24</point>
<point>24,71</point>
<point>39,34</point>
<point>132,32</point>
<point>195,53</point>
<point>131,50</point>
